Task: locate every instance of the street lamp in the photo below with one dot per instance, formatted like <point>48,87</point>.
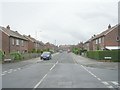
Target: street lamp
<point>36,37</point>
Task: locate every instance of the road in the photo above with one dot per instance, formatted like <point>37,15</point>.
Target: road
<point>64,70</point>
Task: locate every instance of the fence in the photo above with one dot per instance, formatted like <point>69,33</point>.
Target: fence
<point>18,56</point>
<point>30,55</point>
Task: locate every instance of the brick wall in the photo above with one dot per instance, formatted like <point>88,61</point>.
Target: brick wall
<point>111,38</point>
<point>30,46</point>
<point>5,43</point>
<point>18,48</point>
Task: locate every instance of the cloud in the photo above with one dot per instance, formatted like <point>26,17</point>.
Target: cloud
<point>66,21</point>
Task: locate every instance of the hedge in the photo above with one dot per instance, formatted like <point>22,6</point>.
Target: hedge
<point>1,55</point>
<point>100,55</point>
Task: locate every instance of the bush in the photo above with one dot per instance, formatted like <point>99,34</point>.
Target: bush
<point>16,56</point>
<point>1,55</point>
<point>76,50</point>
<point>100,55</point>
<point>38,51</point>
<point>34,51</point>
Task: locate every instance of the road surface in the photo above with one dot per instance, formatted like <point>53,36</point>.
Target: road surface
<point>64,70</point>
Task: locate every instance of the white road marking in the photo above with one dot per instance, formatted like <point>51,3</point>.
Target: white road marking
<point>39,82</point>
<point>110,86</point>
<point>15,70</point>
<point>18,68</point>
<point>9,72</point>
<point>89,71</point>
<point>4,71</point>
<point>44,77</point>
<point>115,83</point>
<point>10,69</point>
<point>2,74</point>
<point>105,83</point>
<point>52,67</point>
<point>95,76</point>
<point>56,62</point>
<point>99,79</point>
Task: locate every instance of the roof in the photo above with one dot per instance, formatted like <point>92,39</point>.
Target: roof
<point>30,38</point>
<point>12,33</point>
<point>105,32</point>
<point>41,43</point>
<point>88,40</point>
<point>102,34</point>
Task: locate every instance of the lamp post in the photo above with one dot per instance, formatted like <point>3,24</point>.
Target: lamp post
<point>36,37</point>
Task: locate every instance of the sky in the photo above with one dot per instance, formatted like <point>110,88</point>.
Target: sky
<point>59,21</point>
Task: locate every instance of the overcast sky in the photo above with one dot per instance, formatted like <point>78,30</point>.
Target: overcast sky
<point>63,21</point>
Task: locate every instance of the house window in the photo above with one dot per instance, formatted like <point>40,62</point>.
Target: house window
<point>96,41</point>
<point>13,41</point>
<point>22,42</point>
<point>100,40</point>
<point>117,38</point>
<point>17,42</point>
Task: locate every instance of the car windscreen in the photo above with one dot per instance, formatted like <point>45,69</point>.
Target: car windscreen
<point>45,54</point>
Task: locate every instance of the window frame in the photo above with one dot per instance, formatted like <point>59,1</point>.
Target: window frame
<point>17,42</point>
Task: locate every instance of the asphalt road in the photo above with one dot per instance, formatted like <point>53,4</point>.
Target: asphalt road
<point>64,70</point>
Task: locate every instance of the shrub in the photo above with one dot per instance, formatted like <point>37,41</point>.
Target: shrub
<point>16,56</point>
<point>38,51</point>
<point>34,51</point>
<point>76,50</point>
<point>1,55</point>
<point>100,55</point>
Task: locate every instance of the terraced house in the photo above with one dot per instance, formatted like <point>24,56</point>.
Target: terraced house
<point>34,44</point>
<point>12,41</point>
<point>107,40</point>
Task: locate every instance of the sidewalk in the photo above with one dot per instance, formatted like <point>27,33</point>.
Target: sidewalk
<point>95,63</point>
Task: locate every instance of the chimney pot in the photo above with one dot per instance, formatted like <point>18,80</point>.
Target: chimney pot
<point>8,27</point>
<point>109,26</point>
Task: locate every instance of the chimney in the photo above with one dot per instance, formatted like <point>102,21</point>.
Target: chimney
<point>109,26</point>
<point>29,36</point>
<point>8,27</point>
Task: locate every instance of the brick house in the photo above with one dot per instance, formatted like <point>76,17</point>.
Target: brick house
<point>79,45</point>
<point>108,39</point>
<point>34,44</point>
<point>31,42</point>
<point>50,46</point>
<point>40,45</point>
<point>12,41</point>
<point>88,45</point>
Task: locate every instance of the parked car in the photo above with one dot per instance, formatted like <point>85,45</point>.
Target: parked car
<point>46,56</point>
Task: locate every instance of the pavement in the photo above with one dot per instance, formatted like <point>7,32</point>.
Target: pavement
<point>95,63</point>
<point>64,70</point>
